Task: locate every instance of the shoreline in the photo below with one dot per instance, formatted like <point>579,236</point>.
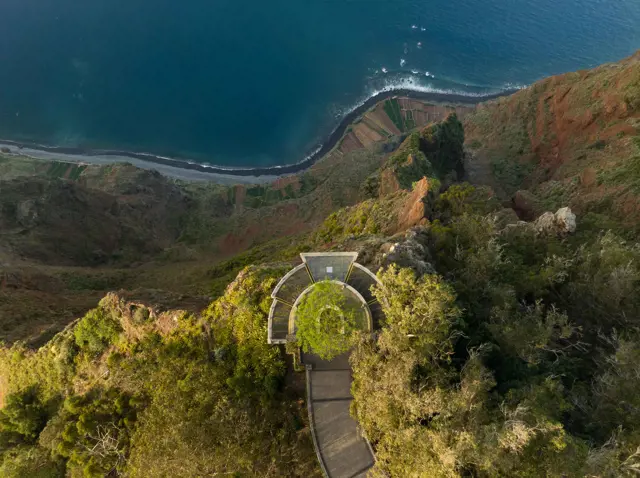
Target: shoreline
<point>234,174</point>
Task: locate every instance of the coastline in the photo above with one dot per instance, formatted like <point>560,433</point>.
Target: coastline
<point>191,171</point>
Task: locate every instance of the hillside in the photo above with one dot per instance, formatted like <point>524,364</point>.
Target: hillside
<point>72,232</point>
<point>572,139</point>
<point>134,307</point>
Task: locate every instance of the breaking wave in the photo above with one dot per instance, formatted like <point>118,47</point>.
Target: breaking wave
<point>402,82</point>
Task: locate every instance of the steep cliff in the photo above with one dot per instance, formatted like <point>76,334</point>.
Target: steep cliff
<point>570,139</point>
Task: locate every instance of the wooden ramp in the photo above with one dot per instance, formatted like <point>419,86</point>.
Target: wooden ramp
<point>341,450</point>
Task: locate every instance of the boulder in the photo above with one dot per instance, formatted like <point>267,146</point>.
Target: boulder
<point>546,224</point>
<point>566,220</point>
<point>561,223</point>
<point>526,205</point>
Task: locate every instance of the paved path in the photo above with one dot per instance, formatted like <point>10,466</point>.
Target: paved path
<point>342,452</point>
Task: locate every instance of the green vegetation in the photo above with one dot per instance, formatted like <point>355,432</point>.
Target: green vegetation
<point>120,395</point>
<point>327,319</point>
<point>368,217</point>
<point>511,174</point>
<point>435,152</point>
<point>409,121</point>
<point>626,175</point>
<point>70,171</point>
<point>514,359</point>
<point>410,163</point>
<point>392,108</point>
<point>442,144</point>
<point>96,331</point>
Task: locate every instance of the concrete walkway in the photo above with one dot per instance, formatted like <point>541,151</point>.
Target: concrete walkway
<point>342,452</point>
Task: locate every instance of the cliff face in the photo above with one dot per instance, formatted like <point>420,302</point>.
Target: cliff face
<point>569,139</point>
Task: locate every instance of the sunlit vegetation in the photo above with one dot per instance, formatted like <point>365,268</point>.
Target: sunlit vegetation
<point>516,358</point>
<point>115,395</point>
<point>327,320</point>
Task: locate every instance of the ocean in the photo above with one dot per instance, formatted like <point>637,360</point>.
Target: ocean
<point>259,83</point>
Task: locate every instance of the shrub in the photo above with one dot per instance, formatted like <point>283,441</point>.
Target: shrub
<point>95,431</point>
<point>22,418</point>
<point>327,320</point>
<point>96,331</point>
<point>31,462</point>
<point>371,186</point>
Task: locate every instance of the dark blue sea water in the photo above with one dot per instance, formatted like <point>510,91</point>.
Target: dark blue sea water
<point>259,82</point>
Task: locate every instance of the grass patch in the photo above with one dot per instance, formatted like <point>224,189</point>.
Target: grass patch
<point>71,171</point>
<point>57,169</point>
<point>410,122</point>
<point>392,108</point>
<point>75,172</point>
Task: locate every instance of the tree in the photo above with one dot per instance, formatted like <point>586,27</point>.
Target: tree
<point>327,319</point>
<point>22,418</point>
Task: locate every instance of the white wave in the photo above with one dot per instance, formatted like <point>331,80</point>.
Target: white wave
<point>423,29</point>
<point>419,45</point>
<point>412,84</point>
<point>414,27</point>
<point>415,72</point>
<point>402,62</point>
<point>384,70</point>
<point>514,86</point>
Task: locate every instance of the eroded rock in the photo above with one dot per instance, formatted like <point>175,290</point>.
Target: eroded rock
<point>566,220</point>
<point>526,205</point>
<point>410,251</point>
<point>561,223</point>
<point>415,209</point>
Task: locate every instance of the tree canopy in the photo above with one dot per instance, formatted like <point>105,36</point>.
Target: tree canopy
<point>518,357</point>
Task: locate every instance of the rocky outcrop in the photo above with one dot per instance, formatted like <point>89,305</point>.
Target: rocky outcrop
<point>526,205</point>
<point>410,251</point>
<point>561,223</point>
<point>415,209</point>
<point>388,183</point>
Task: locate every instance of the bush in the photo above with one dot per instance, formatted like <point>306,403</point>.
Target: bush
<point>96,331</point>
<point>31,462</point>
<point>22,418</point>
<point>371,186</point>
<point>95,431</point>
